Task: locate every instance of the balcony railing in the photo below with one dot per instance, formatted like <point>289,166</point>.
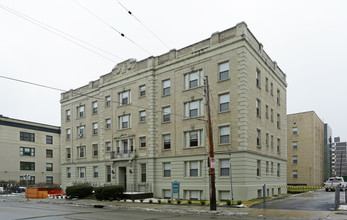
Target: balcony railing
<point>122,154</point>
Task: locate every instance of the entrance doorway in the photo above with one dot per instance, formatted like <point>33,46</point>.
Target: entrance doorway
<point>122,178</point>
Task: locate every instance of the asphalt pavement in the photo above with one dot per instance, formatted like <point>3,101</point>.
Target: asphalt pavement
<point>265,213</point>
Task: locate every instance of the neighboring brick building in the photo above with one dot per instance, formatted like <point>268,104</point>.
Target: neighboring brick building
<point>29,148</point>
<point>143,124</point>
<point>305,165</point>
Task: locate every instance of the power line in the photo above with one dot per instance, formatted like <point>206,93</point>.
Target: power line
<point>110,26</point>
<point>90,96</point>
<point>59,33</point>
<point>130,13</point>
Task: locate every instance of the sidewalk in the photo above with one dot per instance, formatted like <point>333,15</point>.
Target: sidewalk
<point>187,209</point>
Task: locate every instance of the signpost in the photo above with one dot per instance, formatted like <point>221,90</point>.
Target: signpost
<point>175,189</point>
<point>27,178</point>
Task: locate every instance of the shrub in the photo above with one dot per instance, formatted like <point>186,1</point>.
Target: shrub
<point>178,201</point>
<point>202,202</point>
<point>79,191</point>
<point>150,201</point>
<point>228,202</point>
<point>189,202</point>
<point>141,200</point>
<point>239,202</point>
<point>159,201</point>
<point>107,192</point>
<point>169,201</point>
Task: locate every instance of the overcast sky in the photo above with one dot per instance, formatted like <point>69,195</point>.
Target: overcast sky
<point>307,39</point>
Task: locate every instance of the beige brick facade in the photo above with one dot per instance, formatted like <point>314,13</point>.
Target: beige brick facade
<point>240,73</point>
<point>305,164</point>
<point>29,148</point>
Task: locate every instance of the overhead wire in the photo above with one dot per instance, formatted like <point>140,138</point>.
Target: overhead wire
<point>156,36</point>
<point>60,33</point>
<point>110,26</point>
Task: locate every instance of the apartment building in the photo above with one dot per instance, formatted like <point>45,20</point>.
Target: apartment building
<point>29,148</point>
<point>305,164</point>
<point>143,124</point>
<point>340,156</point>
<point>328,149</point>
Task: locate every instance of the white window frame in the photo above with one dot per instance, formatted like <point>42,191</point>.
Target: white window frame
<point>196,77</point>
<point>82,172</point>
<point>166,114</point>
<point>142,89</point>
<point>124,119</point>
<point>81,131</point>
<point>108,146</point>
<point>295,145</point>
<point>125,98</point>
<point>143,116</point>
<point>95,128</point>
<point>143,141</point>
<point>295,159</point>
<point>95,150</point>
<point>68,115</point>
<point>196,105</point>
<point>295,174</point>
<point>224,70</point>
<point>224,167</point>
<point>166,141</point>
<point>68,133</point>
<point>81,151</point>
<point>108,101</point>
<point>81,111</point>
<point>108,123</point>
<point>192,166</point>
<point>224,132</point>
<point>166,87</point>
<point>167,169</point>
<point>224,100</point>
<point>95,107</point>
<point>189,134</point>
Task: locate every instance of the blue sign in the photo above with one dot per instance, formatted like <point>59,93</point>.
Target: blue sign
<point>175,189</point>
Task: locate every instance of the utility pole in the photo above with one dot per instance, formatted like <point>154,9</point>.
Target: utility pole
<point>212,161</point>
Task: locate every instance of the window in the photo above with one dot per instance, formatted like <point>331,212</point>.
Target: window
<point>82,172</point>
<point>108,123</point>
<point>295,174</point>
<point>167,194</point>
<point>224,195</point>
<point>68,134</point>
<point>108,146</point>
<point>95,128</point>
<point>295,145</point>
<point>224,134</point>
<point>68,115</point>
<point>258,138</point>
<point>167,169</point>
<point>192,194</point>
<point>267,111</point>
<point>193,108</point>
<point>194,138</point>
<point>95,150</point>
<point>27,151</point>
<point>278,97</point>
<point>258,168</point>
<point>266,84</point>
<point>267,140</point>
<point>167,141</point>
<point>166,114</point>
<point>124,98</point>
<point>49,153</point>
<point>267,167</point>
<point>295,131</point>
<point>68,153</point>
<point>49,166</point>
<point>224,71</point>
<point>25,136</point>
<point>27,166</point>
<point>272,115</point>
<point>23,181</point>
<point>142,141</point>
<point>142,90</point>
<point>124,121</point>
<point>278,170</point>
<point>295,159</point>
<point>194,79</point>
<point>272,89</point>
<point>224,167</point>
<point>278,121</point>
<point>49,139</point>
<point>95,172</point>
<point>49,179</point>
<point>224,102</point>
<point>272,141</point>
<point>257,78</point>
<point>108,101</point>
<point>258,108</point>
<point>81,150</point>
<point>166,87</point>
<point>143,173</point>
<point>68,172</point>
<point>142,116</point>
<point>278,146</point>
<point>272,168</point>
<point>193,168</point>
<point>95,107</point>
<point>80,111</point>
<point>108,173</point>
<point>80,131</point>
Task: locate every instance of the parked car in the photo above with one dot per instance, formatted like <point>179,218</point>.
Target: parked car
<point>333,182</point>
